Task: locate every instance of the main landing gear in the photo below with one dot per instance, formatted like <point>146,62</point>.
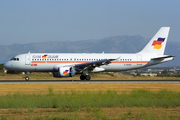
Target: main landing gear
<point>85,77</point>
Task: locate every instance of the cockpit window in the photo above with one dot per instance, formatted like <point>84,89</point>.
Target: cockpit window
<point>14,59</point>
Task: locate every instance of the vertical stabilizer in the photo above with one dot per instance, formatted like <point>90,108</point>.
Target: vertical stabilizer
<point>158,43</point>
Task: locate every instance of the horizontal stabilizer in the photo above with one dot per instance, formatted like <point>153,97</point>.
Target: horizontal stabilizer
<point>160,58</point>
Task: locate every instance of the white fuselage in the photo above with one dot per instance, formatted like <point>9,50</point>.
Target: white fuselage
<point>69,64</point>
<point>38,62</point>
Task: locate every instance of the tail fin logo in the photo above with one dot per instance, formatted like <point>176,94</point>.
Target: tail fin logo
<point>158,43</point>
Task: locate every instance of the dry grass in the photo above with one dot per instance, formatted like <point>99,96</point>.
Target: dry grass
<point>110,113</point>
<point>43,88</point>
<point>155,110</point>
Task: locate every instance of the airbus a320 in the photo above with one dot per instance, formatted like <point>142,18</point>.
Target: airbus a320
<point>70,64</point>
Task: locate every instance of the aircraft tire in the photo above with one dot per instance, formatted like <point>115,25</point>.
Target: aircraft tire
<point>82,77</point>
<point>27,78</point>
<point>88,77</point>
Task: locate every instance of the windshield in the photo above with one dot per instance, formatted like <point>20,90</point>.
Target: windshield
<point>14,59</point>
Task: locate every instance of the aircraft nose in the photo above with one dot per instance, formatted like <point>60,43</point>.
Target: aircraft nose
<point>7,65</point>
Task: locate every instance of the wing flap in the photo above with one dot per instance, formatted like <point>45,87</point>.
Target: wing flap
<point>91,65</point>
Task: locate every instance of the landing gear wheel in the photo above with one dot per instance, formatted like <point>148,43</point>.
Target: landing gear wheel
<point>27,78</point>
<point>85,77</point>
<point>88,77</point>
<point>82,77</point>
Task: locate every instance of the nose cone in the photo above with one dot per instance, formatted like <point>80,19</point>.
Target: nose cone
<point>7,65</point>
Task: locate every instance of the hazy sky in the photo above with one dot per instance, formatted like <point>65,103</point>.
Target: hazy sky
<point>27,21</point>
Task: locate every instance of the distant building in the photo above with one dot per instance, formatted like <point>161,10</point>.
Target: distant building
<point>149,74</point>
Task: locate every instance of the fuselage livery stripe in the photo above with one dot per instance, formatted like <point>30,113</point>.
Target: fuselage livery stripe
<point>85,62</point>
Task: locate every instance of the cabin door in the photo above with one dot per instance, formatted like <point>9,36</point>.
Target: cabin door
<point>27,60</point>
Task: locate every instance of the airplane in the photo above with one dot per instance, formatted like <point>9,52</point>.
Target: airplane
<point>70,64</point>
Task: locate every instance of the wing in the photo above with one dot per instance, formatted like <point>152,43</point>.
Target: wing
<point>91,65</point>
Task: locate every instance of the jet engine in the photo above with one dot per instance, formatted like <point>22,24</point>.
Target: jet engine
<point>64,72</point>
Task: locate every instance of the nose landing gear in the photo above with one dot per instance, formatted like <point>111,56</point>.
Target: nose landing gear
<point>27,77</point>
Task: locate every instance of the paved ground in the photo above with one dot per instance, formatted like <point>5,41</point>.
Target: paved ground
<point>91,81</point>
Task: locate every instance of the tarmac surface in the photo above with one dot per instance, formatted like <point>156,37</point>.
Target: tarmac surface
<point>79,81</point>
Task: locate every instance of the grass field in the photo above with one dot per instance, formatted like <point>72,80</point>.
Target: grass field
<point>109,104</point>
<point>6,89</point>
<point>115,113</point>
<point>123,101</point>
<point>87,101</point>
<point>74,100</point>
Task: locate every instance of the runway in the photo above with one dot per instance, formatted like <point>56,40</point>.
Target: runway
<point>79,81</point>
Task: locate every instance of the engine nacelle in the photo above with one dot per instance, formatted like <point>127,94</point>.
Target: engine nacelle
<point>65,72</point>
